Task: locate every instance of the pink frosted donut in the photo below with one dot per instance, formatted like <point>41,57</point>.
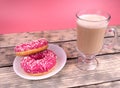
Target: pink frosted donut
<point>39,63</point>
<point>31,47</point>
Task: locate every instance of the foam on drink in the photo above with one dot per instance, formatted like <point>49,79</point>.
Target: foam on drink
<point>92,21</point>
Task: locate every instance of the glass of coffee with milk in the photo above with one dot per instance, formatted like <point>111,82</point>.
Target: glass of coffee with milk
<point>92,25</point>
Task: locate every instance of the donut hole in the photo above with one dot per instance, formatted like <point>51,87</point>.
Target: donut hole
<point>40,57</point>
<point>37,57</point>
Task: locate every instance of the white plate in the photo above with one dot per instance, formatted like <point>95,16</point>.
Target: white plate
<point>61,60</point>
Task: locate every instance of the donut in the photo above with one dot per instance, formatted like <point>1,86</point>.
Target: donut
<point>39,63</point>
<point>31,47</point>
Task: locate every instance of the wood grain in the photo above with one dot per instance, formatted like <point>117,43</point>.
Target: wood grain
<point>107,75</point>
<point>114,84</point>
<point>7,40</point>
<point>7,54</point>
<point>69,76</point>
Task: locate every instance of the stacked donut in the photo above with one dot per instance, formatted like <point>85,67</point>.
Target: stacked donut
<point>36,58</point>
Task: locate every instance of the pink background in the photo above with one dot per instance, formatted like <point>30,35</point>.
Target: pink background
<point>37,15</point>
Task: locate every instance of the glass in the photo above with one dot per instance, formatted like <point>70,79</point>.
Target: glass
<point>92,25</point>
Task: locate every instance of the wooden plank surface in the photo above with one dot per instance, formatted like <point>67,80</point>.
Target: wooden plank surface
<point>69,76</point>
<point>114,84</point>
<point>107,75</point>
<point>7,54</point>
<point>7,40</point>
<point>51,36</point>
<point>68,43</point>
